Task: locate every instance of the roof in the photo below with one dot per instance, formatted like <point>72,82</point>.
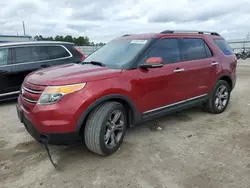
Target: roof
<point>32,43</point>
<point>16,36</point>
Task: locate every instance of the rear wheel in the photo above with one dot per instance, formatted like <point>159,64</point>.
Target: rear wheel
<point>219,99</point>
<point>105,128</point>
<point>243,56</point>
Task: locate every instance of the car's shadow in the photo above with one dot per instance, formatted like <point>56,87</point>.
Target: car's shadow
<point>78,153</point>
<point>8,102</point>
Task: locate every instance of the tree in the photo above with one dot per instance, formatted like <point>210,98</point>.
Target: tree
<point>78,41</point>
<point>68,38</point>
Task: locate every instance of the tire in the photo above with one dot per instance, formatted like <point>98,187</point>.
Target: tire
<point>212,105</point>
<point>100,127</point>
<point>243,57</point>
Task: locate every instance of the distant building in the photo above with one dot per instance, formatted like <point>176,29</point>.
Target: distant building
<point>239,44</point>
<point>15,38</point>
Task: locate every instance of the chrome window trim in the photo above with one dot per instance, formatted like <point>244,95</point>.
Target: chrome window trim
<point>162,107</point>
<point>32,91</point>
<point>70,55</point>
<point>9,93</point>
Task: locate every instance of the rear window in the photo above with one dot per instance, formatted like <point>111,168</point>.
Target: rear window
<point>3,56</point>
<point>38,53</point>
<point>224,46</point>
<point>56,52</point>
<point>23,54</point>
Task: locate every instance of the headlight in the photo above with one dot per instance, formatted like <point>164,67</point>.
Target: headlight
<point>52,94</point>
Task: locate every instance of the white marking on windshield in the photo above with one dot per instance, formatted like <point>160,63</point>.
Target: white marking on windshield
<point>139,41</point>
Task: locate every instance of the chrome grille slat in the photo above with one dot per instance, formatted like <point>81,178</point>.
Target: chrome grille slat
<point>32,91</point>
<point>29,100</point>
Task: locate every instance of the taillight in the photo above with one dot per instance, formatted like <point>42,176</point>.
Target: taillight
<point>83,56</point>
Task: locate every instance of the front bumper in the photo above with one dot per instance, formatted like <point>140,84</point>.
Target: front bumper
<point>46,138</point>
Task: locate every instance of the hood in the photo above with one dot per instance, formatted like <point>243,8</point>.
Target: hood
<point>70,74</point>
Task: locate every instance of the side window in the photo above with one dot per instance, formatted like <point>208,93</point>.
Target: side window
<point>38,53</point>
<point>3,56</point>
<point>208,51</point>
<point>224,46</point>
<point>23,54</point>
<point>56,52</point>
<point>167,49</point>
<point>193,49</point>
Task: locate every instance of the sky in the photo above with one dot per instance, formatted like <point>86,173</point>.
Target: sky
<point>104,20</point>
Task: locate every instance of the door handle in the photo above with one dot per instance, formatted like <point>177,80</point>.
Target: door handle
<point>178,70</point>
<point>45,66</point>
<point>214,63</point>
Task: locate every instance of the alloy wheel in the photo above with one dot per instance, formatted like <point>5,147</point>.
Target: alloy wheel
<point>114,128</point>
<point>221,97</point>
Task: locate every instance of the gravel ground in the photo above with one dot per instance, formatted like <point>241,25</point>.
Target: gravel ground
<point>194,149</point>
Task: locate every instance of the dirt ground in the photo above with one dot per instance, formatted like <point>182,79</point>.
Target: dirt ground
<point>194,149</point>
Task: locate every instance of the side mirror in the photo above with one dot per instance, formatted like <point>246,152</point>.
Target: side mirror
<point>152,62</point>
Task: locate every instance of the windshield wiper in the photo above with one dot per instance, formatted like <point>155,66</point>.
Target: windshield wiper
<point>95,63</point>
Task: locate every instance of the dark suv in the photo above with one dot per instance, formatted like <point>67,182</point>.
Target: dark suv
<point>129,80</point>
<point>19,59</point>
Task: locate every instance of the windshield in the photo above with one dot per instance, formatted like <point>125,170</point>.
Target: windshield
<point>117,53</point>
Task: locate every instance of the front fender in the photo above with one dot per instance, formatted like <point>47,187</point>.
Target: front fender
<point>124,98</point>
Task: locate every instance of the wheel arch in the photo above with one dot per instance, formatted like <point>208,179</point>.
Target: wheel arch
<point>129,105</point>
<point>228,79</point>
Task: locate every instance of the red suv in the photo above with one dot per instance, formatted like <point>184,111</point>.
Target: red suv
<point>129,80</point>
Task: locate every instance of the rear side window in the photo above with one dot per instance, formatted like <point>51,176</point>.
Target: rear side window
<point>3,56</point>
<point>167,49</point>
<point>38,53</point>
<point>224,46</point>
<point>56,52</point>
<point>193,49</point>
<point>23,54</point>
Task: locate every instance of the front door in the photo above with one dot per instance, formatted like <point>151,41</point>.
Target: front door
<point>165,86</point>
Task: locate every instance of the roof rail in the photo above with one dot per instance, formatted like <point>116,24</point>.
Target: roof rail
<point>189,31</point>
<point>126,35</point>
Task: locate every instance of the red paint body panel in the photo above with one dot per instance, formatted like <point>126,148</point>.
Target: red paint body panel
<point>147,89</point>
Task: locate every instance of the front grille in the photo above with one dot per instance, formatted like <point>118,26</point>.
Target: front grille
<point>31,93</point>
<point>29,100</point>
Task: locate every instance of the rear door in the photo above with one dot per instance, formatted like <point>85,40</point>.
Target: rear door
<point>197,66</point>
<point>5,71</point>
<point>26,60</point>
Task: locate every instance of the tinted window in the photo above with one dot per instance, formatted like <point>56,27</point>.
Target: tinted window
<point>23,54</point>
<point>57,52</point>
<point>38,53</point>
<point>208,51</point>
<point>224,46</point>
<point>193,49</point>
<point>167,49</point>
<point>3,56</point>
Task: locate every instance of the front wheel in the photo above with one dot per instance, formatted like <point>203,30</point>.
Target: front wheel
<point>105,128</point>
<point>219,98</point>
